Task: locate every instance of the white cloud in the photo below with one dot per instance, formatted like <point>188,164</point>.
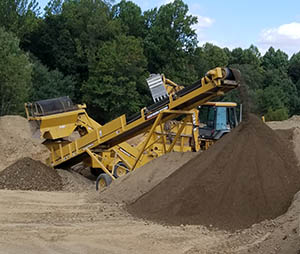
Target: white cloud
<point>167,1</point>
<point>291,30</point>
<point>286,37</point>
<point>203,23</point>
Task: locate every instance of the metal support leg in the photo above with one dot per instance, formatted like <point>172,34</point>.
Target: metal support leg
<point>163,138</point>
<point>157,121</point>
<point>100,163</point>
<point>178,133</point>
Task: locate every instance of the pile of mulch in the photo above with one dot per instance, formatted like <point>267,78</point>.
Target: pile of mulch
<point>248,176</point>
<point>28,174</point>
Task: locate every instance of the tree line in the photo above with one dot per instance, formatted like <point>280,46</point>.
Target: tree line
<point>101,53</point>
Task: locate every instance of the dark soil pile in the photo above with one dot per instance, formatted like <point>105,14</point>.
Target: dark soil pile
<point>248,176</point>
<point>28,174</point>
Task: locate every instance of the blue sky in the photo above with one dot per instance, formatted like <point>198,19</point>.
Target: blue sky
<point>240,23</point>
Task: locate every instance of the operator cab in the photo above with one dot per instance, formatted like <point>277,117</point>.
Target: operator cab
<point>217,119</point>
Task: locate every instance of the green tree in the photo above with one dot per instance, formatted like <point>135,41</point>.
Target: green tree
<point>294,68</point>
<point>70,35</point>
<point>275,60</point>
<point>131,18</point>
<point>208,57</point>
<point>244,56</point>
<point>170,38</point>
<point>54,7</point>
<point>276,115</point>
<point>117,79</point>
<point>276,78</point>
<point>271,99</point>
<point>252,75</point>
<point>50,84</point>
<point>15,75</point>
<point>19,16</point>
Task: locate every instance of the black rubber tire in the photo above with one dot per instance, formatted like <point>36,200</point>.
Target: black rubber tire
<point>107,179</point>
<point>120,163</point>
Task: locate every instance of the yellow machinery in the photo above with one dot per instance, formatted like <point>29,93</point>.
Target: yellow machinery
<point>72,136</point>
<point>216,120</point>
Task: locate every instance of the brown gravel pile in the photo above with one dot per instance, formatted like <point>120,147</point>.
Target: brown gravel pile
<point>28,174</point>
<point>248,176</point>
<point>74,182</point>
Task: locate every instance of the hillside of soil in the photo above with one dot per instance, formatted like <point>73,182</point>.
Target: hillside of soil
<point>28,174</point>
<point>16,141</point>
<point>130,187</point>
<point>248,176</point>
<point>293,122</point>
<point>72,220</point>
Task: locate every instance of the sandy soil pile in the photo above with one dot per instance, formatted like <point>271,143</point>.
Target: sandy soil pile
<point>132,186</point>
<point>248,176</point>
<point>16,141</point>
<point>74,182</point>
<point>293,122</point>
<point>28,174</point>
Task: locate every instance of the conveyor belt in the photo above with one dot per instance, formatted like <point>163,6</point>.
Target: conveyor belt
<point>161,104</point>
<point>124,128</point>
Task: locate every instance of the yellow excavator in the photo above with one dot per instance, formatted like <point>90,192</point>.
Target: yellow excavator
<point>72,136</point>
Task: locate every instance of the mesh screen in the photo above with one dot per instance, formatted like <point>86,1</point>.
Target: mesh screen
<point>53,106</point>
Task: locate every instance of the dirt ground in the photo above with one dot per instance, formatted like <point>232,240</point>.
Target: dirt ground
<point>76,220</point>
<point>62,222</point>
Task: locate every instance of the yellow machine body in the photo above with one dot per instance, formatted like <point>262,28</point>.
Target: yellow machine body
<point>105,147</point>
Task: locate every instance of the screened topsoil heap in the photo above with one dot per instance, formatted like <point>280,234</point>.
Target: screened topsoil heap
<point>248,176</point>
<point>16,141</point>
<point>28,174</point>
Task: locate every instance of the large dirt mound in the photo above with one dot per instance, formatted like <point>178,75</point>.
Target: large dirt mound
<point>130,187</point>
<point>28,174</point>
<point>16,141</point>
<point>248,176</point>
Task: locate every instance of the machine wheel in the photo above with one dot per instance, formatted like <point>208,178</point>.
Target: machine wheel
<point>120,169</point>
<point>103,180</point>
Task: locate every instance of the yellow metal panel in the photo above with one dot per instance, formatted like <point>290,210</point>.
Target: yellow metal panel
<point>96,135</point>
<point>115,126</point>
<point>221,104</point>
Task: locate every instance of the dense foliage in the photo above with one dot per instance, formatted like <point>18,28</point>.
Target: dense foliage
<point>101,53</point>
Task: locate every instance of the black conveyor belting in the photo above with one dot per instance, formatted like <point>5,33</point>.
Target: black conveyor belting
<point>160,104</point>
